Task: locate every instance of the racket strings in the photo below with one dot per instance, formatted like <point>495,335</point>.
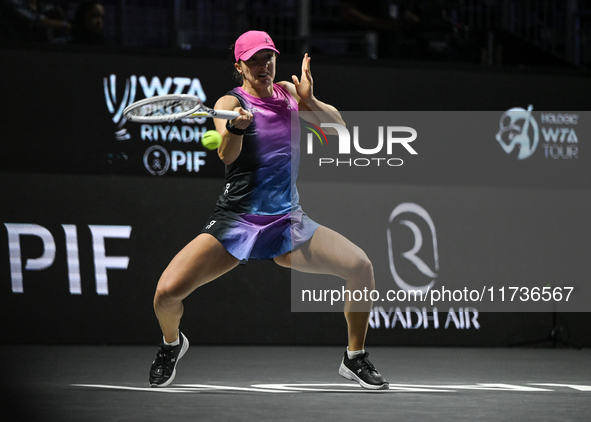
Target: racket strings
<point>170,107</point>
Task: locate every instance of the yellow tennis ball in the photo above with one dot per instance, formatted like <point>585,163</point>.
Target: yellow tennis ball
<point>211,139</point>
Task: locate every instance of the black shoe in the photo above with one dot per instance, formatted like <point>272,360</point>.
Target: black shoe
<point>360,369</point>
<point>163,368</point>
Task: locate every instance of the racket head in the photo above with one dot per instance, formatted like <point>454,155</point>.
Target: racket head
<point>163,108</point>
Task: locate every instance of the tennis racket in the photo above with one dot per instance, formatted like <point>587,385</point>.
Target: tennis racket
<point>168,108</point>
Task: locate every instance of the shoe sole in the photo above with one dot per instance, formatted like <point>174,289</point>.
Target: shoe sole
<point>184,349</point>
<point>350,375</point>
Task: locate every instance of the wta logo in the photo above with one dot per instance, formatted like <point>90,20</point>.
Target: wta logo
<point>116,107</point>
<point>555,133</point>
<point>518,128</point>
<point>116,103</point>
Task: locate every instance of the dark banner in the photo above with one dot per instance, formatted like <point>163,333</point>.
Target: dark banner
<point>80,257</point>
<point>476,249</point>
<point>516,148</point>
<point>65,112</point>
<point>514,205</point>
<point>94,207</point>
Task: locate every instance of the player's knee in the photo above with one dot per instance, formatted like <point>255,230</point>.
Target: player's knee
<point>362,271</point>
<point>362,264</point>
<point>166,295</point>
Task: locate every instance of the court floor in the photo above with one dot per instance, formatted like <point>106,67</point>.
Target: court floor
<point>241,383</point>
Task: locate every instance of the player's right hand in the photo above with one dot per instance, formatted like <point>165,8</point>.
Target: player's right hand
<point>242,121</point>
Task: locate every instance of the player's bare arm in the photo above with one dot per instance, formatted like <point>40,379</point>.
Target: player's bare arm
<point>302,90</point>
<point>231,145</point>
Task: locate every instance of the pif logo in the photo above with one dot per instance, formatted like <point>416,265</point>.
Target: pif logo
<point>387,136</point>
<point>158,160</point>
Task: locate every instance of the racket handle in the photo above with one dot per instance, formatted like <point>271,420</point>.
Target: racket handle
<point>225,114</point>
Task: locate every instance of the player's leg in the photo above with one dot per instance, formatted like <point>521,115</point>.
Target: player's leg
<point>201,261</point>
<point>328,252</point>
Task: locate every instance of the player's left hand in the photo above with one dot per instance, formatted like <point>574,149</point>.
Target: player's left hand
<point>304,86</point>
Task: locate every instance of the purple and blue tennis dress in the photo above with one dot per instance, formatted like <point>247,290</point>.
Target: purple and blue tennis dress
<point>258,215</point>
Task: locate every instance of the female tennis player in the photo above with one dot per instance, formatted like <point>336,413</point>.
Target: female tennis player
<point>258,216</point>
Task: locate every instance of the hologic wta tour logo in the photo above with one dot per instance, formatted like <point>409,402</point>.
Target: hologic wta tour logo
<point>515,132</point>
<point>519,129</point>
<point>387,137</point>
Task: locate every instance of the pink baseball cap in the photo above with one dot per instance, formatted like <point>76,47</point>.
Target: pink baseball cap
<point>250,42</point>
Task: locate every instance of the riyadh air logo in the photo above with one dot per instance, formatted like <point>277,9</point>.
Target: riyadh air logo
<point>116,104</point>
<point>518,128</point>
<point>407,249</point>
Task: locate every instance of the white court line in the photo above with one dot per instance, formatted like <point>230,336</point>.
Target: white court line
<point>344,388</point>
<point>123,387</point>
<point>353,388</point>
<point>494,387</point>
<point>209,387</point>
<point>183,388</point>
<point>574,387</point>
